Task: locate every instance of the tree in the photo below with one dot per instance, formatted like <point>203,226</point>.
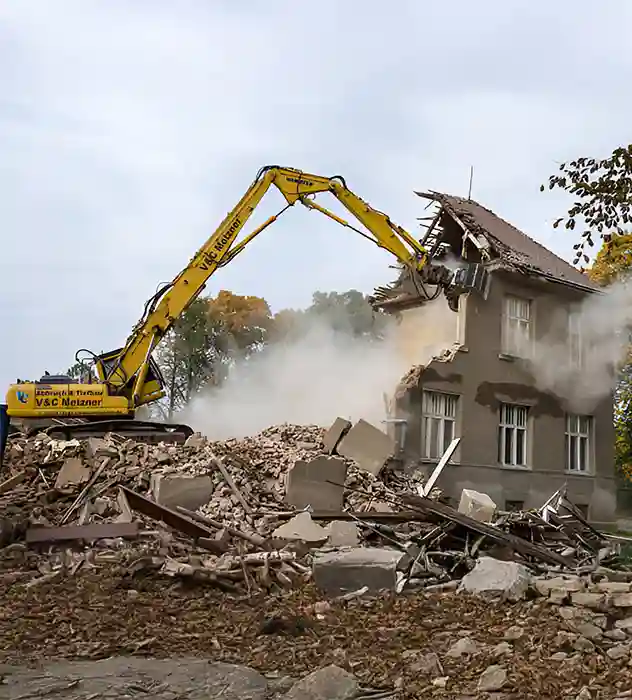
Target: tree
<point>287,324</point>
<point>603,196</point>
<point>613,259</point>
<point>207,338</point>
<point>347,312</point>
<point>81,371</point>
<point>612,263</point>
<point>188,355</point>
<point>243,322</point>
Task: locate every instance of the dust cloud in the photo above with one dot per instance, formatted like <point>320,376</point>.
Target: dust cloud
<point>322,374</point>
<point>604,322</point>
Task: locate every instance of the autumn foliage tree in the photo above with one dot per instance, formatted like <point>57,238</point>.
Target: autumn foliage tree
<point>612,264</point>
<point>602,192</point>
<point>245,322</point>
<point>211,334</point>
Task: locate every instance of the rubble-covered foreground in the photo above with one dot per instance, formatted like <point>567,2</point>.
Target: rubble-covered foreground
<point>182,678</point>
<point>300,548</point>
<point>423,645</point>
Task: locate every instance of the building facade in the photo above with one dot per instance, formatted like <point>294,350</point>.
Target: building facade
<point>516,381</point>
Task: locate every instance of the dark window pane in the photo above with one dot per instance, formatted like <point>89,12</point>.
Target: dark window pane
<point>520,447</point>
<point>508,445</point>
<point>583,454</point>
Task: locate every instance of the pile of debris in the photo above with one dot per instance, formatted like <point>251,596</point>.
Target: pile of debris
<point>224,504</point>
<point>269,512</point>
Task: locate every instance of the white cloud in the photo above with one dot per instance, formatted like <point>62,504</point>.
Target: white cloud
<point>129,128</point>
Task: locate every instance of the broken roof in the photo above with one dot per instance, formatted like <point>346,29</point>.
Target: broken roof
<point>510,244</point>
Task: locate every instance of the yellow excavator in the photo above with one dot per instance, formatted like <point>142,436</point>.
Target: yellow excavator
<point>121,381</point>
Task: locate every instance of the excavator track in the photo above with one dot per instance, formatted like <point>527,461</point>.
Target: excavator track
<point>141,431</point>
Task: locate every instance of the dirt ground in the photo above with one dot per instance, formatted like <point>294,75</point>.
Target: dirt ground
<point>98,614</point>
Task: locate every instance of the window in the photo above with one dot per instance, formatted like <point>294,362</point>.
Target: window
<point>578,433</point>
<point>575,339</point>
<point>438,423</point>
<point>512,435</point>
<point>517,327</point>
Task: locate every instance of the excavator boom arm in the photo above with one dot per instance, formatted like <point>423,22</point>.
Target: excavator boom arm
<point>130,366</point>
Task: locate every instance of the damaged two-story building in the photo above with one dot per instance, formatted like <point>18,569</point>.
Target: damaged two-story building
<point>510,381</point>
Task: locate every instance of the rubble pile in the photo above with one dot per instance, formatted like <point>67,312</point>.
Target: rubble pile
<point>308,533</point>
<point>271,511</point>
<point>99,500</point>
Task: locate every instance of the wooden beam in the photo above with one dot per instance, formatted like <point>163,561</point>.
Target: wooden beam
<point>517,544</point>
<point>94,531</point>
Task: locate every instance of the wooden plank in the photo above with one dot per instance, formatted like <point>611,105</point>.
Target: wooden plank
<point>516,543</point>
<point>12,482</point>
<point>217,462</point>
<point>445,458</point>
<point>93,531</point>
<point>169,517</point>
<point>255,539</point>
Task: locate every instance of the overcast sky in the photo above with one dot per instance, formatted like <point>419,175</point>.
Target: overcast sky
<point>128,128</point>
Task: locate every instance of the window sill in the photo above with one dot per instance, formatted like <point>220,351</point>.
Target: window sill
<point>430,460</point>
<point>515,467</point>
<point>575,472</point>
<point>507,357</point>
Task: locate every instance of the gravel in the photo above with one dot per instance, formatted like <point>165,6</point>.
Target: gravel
<point>382,641</point>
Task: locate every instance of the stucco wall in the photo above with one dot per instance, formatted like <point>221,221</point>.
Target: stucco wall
<point>484,379</point>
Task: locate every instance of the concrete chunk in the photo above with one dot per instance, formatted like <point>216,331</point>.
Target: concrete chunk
<point>570,584</point>
<point>368,446</point>
<point>493,678</point>
<point>309,484</point>
<point>329,683</point>
<point>492,576</point>
<point>343,533</point>
<point>339,428</point>
<point>625,624</point>
<point>613,587</point>
<point>623,600</point>
<point>352,569</point>
<point>594,601</point>
<point>478,506</point>
<point>463,647</point>
<point>72,473</point>
<point>98,447</point>
<point>190,492</point>
<point>302,528</point>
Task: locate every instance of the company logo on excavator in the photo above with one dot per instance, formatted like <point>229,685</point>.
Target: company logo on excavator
<point>211,256</point>
<point>23,397</point>
<point>300,181</point>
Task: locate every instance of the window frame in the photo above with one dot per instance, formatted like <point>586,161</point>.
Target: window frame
<point>507,317</point>
<point>577,434</point>
<point>516,428</point>
<point>426,452</point>
<point>576,346</point>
